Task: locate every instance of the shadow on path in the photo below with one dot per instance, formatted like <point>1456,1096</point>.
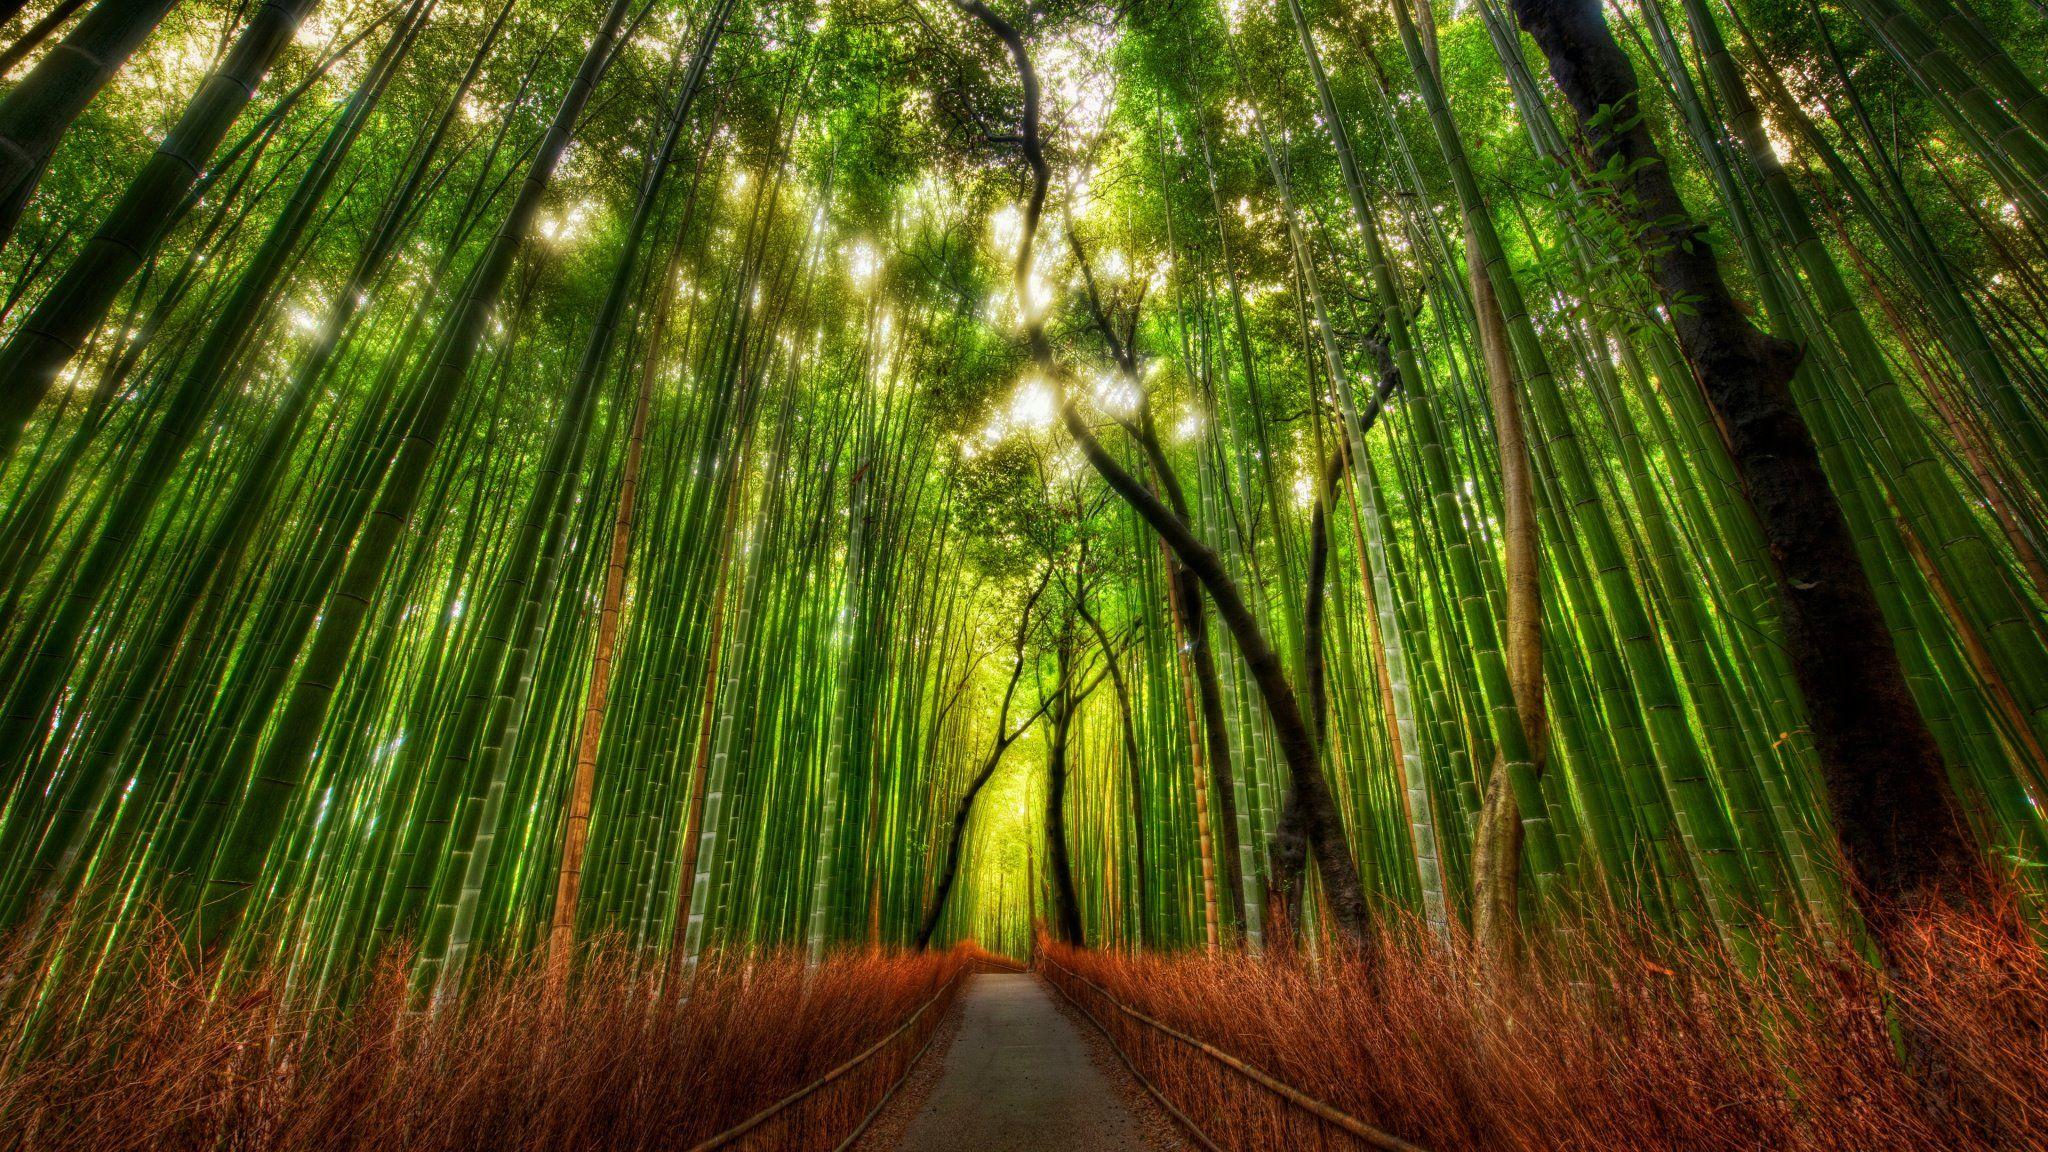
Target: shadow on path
<point>1018,1078</point>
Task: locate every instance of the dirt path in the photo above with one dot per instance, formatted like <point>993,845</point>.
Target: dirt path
<point>1019,1077</point>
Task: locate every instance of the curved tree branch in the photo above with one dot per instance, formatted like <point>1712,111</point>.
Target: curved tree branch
<point>1333,857</point>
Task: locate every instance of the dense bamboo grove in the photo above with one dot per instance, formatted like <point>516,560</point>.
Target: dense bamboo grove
<point>487,474</point>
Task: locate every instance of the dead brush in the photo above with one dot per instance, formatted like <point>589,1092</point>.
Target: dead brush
<point>160,1060</point>
<point>1613,1039</point>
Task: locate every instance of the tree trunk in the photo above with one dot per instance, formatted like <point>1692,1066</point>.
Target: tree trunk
<point>949,866</point>
<point>1066,901</point>
<point>1886,788</point>
<point>1324,827</point>
<point>1314,661</point>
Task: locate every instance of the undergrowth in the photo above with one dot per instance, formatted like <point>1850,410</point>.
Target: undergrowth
<point>1611,1038</point>
<point>1616,1040</point>
<point>165,1062</point>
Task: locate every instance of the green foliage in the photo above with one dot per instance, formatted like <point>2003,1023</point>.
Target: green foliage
<point>853,480</point>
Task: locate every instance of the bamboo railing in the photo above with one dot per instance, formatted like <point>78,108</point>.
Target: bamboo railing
<point>1239,1105</point>
<point>811,1116</point>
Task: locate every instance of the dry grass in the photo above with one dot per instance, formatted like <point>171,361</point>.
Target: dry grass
<point>1620,1042</point>
<point>166,1066</point>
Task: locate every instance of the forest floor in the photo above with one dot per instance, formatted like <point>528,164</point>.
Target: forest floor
<point>1012,1071</point>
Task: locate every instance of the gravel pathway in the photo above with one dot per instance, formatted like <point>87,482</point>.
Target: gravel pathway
<point>1020,1077</point>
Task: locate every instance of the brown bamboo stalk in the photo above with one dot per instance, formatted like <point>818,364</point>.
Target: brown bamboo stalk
<point>576,830</point>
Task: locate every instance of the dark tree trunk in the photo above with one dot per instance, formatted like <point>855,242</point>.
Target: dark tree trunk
<point>1312,664</point>
<point>1193,617</point>
<point>1186,595</point>
<point>1319,828</point>
<point>949,867</point>
<point>1901,837</point>
<point>1289,861</point>
<point>1311,791</point>
<point>1066,902</point>
<point>1289,869</point>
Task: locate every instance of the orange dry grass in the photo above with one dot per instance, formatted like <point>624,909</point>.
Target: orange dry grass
<point>165,1066</point>
<point>1619,1042</point>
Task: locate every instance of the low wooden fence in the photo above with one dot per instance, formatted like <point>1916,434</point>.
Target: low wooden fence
<point>815,1117</point>
<point>1222,1102</point>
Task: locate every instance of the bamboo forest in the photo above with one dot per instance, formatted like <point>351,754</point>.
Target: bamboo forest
<point>1023,574</point>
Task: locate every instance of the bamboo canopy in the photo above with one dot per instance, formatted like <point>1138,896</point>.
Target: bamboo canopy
<point>1192,474</point>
